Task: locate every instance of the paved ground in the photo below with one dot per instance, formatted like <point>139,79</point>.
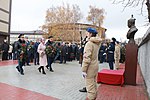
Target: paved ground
<point>64,84</point>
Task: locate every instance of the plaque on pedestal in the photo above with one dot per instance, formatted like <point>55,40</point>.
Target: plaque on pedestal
<point>131,64</point>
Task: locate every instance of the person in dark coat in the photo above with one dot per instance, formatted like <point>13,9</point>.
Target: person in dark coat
<point>28,51</point>
<point>63,54</point>
<point>5,48</point>
<point>14,51</point>
<point>58,51</point>
<point>110,53</point>
<point>21,53</point>
<point>50,53</point>
<point>70,53</point>
<point>36,54</point>
<point>102,52</point>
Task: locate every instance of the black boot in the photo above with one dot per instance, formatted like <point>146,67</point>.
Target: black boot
<point>50,69</point>
<point>17,69</point>
<point>40,69</point>
<point>43,71</point>
<point>46,66</point>
<point>83,90</point>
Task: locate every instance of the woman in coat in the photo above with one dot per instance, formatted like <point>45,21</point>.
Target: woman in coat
<point>42,55</point>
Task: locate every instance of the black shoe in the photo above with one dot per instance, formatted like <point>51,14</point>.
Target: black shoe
<point>17,69</point>
<point>52,70</point>
<point>46,66</point>
<point>22,73</point>
<point>39,69</point>
<point>83,90</point>
<point>43,73</point>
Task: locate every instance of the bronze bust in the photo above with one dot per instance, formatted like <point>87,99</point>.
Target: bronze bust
<point>132,30</point>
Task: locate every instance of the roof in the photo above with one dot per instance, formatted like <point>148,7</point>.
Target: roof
<point>37,32</point>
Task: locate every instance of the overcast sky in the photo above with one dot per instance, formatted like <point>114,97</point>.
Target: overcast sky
<point>28,15</point>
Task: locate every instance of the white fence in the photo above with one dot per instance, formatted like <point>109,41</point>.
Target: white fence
<point>144,58</point>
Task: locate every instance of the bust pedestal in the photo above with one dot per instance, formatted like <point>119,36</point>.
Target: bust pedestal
<point>131,64</point>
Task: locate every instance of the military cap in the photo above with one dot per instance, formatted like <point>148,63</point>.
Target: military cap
<point>91,30</point>
<point>50,37</point>
<point>113,39</point>
<point>20,35</point>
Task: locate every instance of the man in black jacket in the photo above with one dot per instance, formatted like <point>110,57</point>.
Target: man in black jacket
<point>50,53</point>
<point>5,48</point>
<point>21,53</point>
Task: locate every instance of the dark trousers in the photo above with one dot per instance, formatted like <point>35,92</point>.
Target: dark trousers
<point>28,57</point>
<point>10,56</point>
<point>36,58</point>
<point>15,55</point>
<point>20,65</point>
<point>56,57</point>
<point>50,61</point>
<point>5,56</point>
<point>62,58</point>
<point>111,65</point>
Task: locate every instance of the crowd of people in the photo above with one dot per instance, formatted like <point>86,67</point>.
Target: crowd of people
<point>90,52</point>
<point>63,51</point>
<point>96,49</point>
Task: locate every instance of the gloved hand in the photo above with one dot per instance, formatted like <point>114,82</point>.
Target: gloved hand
<point>84,74</point>
<point>104,54</point>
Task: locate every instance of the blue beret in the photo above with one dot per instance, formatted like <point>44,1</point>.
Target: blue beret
<point>91,30</point>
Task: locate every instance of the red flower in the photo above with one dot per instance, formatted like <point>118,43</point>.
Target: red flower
<point>23,45</point>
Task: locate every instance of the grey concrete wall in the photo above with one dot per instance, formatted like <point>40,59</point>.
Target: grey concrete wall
<point>144,58</point>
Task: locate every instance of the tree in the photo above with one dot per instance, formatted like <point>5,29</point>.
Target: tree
<point>58,19</point>
<point>96,16</point>
<point>134,3</point>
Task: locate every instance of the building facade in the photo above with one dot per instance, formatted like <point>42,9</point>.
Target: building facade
<point>5,19</point>
<point>72,32</point>
<point>32,35</point>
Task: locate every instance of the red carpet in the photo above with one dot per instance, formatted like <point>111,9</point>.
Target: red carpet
<point>127,92</point>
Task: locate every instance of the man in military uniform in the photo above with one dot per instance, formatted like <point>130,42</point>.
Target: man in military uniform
<point>51,53</point>
<point>117,54</point>
<point>21,53</point>
<point>90,63</point>
<point>110,53</point>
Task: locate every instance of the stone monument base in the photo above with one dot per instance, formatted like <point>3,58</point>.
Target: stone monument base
<point>131,64</point>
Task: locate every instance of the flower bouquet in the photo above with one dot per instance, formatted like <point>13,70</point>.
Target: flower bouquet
<point>50,51</point>
<point>22,53</point>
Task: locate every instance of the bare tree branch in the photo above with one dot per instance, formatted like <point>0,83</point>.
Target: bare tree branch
<point>134,3</point>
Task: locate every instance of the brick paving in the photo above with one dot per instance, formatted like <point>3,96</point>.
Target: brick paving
<point>63,84</point>
<point>9,92</point>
